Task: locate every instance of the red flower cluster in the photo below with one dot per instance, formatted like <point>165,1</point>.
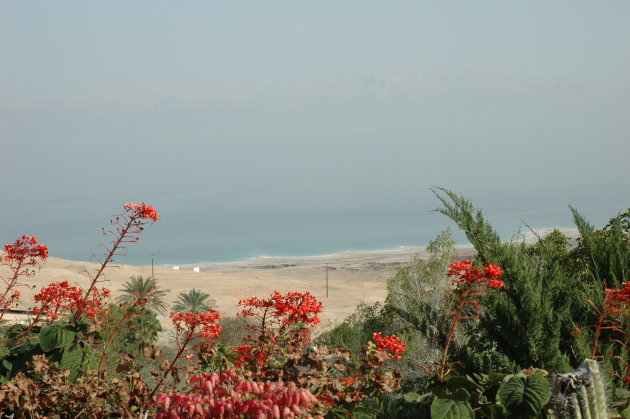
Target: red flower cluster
<point>294,308</point>
<point>466,273</point>
<point>621,296</point>
<point>468,281</point>
<point>197,324</point>
<point>347,381</point>
<point>245,356</point>
<point>24,251</point>
<point>7,303</point>
<point>228,395</point>
<point>392,345</point>
<point>61,296</point>
<point>612,317</point>
<point>141,211</point>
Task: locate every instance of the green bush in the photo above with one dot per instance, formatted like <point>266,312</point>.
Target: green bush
<point>547,289</point>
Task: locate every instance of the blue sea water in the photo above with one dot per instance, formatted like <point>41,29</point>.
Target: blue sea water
<point>188,234</point>
<point>242,235</point>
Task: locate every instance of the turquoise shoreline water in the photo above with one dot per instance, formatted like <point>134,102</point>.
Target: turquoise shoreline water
<point>188,235</point>
<point>139,257</point>
<point>185,248</point>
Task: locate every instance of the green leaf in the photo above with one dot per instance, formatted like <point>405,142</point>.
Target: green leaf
<point>511,392</point>
<point>462,393</point>
<point>55,336</point>
<point>362,412</point>
<point>524,397</point>
<point>411,397</point>
<point>30,347</point>
<point>73,360</point>
<point>451,407</point>
<point>495,378</point>
<point>622,393</point>
<point>7,365</point>
<point>459,381</point>
<point>626,414</point>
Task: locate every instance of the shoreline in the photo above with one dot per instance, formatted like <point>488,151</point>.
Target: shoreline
<point>400,255</point>
<point>528,236</point>
<point>353,277</point>
<point>394,253</point>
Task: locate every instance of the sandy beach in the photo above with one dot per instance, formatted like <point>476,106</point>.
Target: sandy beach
<point>353,277</point>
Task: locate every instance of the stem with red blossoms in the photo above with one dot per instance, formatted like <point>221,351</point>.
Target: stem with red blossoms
<point>191,321</point>
<point>601,317</point>
<point>128,313</point>
<point>468,283</point>
<point>133,216</point>
<point>110,256</point>
<point>21,254</point>
<point>457,315</point>
<point>159,383</point>
<point>10,285</point>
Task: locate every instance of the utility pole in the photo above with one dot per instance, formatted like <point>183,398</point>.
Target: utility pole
<point>326,280</point>
<point>152,273</point>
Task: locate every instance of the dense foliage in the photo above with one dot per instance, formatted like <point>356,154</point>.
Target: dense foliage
<point>561,303</point>
<point>489,337</point>
<point>79,355</point>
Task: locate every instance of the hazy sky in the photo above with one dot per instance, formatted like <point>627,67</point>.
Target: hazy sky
<point>247,115</point>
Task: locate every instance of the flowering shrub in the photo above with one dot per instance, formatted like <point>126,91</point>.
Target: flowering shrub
<point>613,318</point>
<point>20,258</point>
<point>75,312</point>
<point>470,283</point>
<point>61,297</point>
<point>125,228</point>
<point>278,351</point>
<point>468,276</point>
<point>24,252</point>
<point>282,327</point>
<point>244,356</point>
<point>230,395</point>
<point>141,211</point>
<point>193,330</point>
<point>67,327</point>
<point>392,345</point>
<point>137,300</point>
<point>189,326</point>
<point>295,308</point>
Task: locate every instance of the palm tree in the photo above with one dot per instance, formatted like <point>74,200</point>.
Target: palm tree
<point>139,286</point>
<point>193,301</point>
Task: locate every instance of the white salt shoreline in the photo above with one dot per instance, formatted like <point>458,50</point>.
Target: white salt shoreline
<point>399,255</point>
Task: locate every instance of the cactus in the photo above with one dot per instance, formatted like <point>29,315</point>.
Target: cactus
<point>580,393</point>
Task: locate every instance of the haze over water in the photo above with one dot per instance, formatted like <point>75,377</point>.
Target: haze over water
<point>296,129</point>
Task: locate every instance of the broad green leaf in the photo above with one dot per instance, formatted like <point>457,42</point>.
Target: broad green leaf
<point>462,393</point>
<point>72,360</point>
<point>412,397</point>
<point>495,378</point>
<point>524,397</point>
<point>459,381</point>
<point>55,336</point>
<point>30,347</point>
<point>622,393</point>
<point>511,392</point>
<point>6,364</point>
<point>362,412</point>
<point>537,393</point>
<point>451,407</point>
<point>626,414</point>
